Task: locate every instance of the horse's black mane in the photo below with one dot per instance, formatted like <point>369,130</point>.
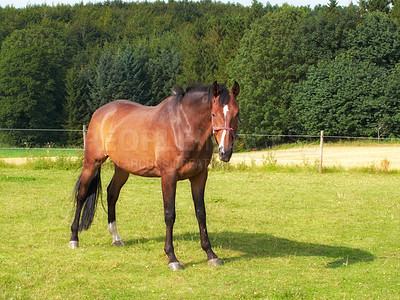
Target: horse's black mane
<point>180,94</point>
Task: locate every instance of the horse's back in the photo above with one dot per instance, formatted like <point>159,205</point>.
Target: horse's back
<point>113,114</point>
<point>118,106</point>
<point>127,132</point>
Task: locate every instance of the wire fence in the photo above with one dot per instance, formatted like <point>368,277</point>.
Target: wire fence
<point>42,138</point>
<point>318,136</point>
<point>266,141</point>
<point>244,140</point>
<point>311,148</point>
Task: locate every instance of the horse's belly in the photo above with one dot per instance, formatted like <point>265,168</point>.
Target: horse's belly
<point>147,172</point>
<point>138,165</point>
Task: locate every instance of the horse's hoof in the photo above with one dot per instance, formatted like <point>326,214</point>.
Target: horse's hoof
<point>214,262</point>
<point>175,266</point>
<point>118,243</point>
<point>73,244</point>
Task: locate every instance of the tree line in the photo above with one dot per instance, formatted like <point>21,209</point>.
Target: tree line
<point>300,69</point>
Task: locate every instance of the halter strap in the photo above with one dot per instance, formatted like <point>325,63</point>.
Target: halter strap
<point>218,128</point>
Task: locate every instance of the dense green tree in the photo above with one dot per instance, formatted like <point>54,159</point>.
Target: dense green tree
<point>102,83</point>
<point>198,53</point>
<point>77,99</point>
<point>395,11</point>
<point>32,72</point>
<point>322,35</point>
<point>123,75</point>
<point>333,3</point>
<point>230,30</point>
<point>342,97</point>
<point>375,5</point>
<point>163,70</point>
<point>390,120</point>
<point>354,94</point>
<point>347,96</point>
<point>208,47</point>
<point>9,22</point>
<point>263,68</point>
<point>376,39</point>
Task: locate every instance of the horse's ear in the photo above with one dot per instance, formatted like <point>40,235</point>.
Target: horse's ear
<point>236,89</point>
<point>215,89</point>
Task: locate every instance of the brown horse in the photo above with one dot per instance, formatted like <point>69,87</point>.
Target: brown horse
<point>171,140</point>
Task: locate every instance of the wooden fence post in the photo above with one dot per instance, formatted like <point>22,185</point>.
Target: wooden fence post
<point>84,136</point>
<point>321,146</point>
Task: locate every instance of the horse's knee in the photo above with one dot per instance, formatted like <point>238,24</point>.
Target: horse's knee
<point>169,217</point>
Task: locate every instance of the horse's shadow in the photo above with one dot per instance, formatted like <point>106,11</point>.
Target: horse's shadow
<point>253,245</point>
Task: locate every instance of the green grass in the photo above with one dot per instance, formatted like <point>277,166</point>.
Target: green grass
<point>40,152</point>
<point>281,234</point>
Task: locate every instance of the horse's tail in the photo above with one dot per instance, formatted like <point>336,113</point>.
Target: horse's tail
<point>90,202</point>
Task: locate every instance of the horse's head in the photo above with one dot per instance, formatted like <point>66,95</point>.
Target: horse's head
<point>225,118</point>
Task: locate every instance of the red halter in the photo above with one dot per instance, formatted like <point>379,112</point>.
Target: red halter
<point>218,128</point>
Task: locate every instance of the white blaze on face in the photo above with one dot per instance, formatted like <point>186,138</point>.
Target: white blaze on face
<point>226,109</point>
<point>221,144</point>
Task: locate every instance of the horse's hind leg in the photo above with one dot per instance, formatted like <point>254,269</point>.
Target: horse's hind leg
<point>118,180</point>
<point>198,184</point>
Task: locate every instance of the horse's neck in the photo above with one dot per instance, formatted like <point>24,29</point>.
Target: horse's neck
<point>195,119</point>
<point>200,113</point>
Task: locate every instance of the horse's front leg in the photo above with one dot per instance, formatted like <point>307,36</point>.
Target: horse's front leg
<point>198,184</point>
<point>168,184</point>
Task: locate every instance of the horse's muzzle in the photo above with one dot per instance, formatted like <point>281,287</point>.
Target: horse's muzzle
<point>225,155</point>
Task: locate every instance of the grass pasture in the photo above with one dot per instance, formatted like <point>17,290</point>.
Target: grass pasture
<point>39,152</point>
<point>281,234</point>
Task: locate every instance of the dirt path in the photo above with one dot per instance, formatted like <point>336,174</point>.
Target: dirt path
<point>23,160</point>
<point>333,155</point>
